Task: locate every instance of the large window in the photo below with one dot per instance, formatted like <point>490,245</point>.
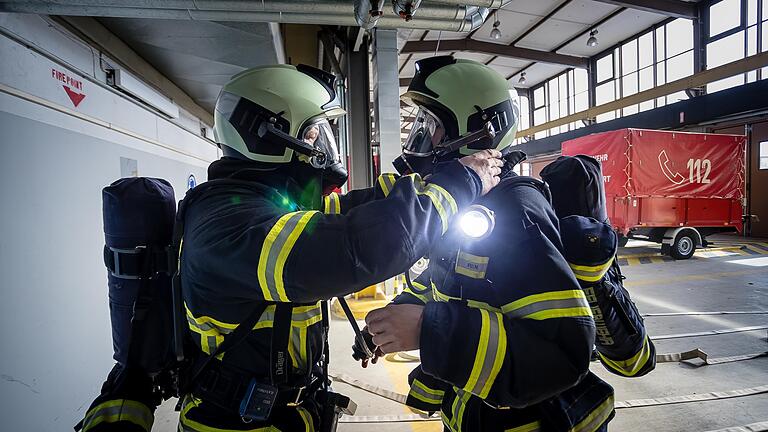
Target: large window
<point>559,97</point>
<point>525,115</point>
<point>736,30</point>
<point>763,156</point>
<point>664,53</point>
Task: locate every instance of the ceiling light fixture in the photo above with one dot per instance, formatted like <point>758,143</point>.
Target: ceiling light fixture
<point>592,41</point>
<point>522,78</point>
<point>496,33</point>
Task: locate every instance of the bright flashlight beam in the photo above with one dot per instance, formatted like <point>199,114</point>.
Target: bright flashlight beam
<point>474,224</point>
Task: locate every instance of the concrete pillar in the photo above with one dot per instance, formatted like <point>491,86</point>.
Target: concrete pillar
<point>358,117</point>
<point>386,97</point>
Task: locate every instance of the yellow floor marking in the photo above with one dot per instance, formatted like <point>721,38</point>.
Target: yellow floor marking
<point>755,249</point>
<point>633,261</point>
<point>398,376</point>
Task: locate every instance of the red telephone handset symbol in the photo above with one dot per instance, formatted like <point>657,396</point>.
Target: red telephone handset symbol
<point>674,177</point>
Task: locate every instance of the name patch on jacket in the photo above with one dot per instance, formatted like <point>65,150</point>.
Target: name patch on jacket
<point>471,265</point>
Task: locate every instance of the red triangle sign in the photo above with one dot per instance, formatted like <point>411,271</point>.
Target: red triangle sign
<point>75,97</point>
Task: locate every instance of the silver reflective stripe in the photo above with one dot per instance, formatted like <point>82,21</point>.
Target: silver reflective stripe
<point>435,397</point>
<point>119,410</point>
<point>490,353</point>
<point>548,305</point>
<point>457,405</point>
<point>207,326</point>
<point>306,315</point>
<point>332,203</point>
<point>596,418</point>
<point>591,273</point>
<point>274,252</point>
<point>296,347</point>
<point>212,344</point>
<point>297,317</point>
<point>387,183</point>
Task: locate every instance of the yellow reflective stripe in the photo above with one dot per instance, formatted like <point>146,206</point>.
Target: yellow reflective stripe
<point>275,251</point>
<point>283,257</point>
<point>447,196</point>
<point>490,354</point>
<point>119,410</point>
<point>443,202</point>
<point>555,304</point>
<point>187,425</point>
<point>498,359</point>
<point>212,331</point>
<point>387,182</point>
<point>424,298</point>
<point>530,427</point>
<point>591,273</point>
<point>425,394</point>
<point>331,204</point>
<point>207,325</point>
<point>632,365</point>
<point>459,420</point>
<point>447,421</point>
<point>596,418</point>
<point>472,303</point>
<point>560,313</point>
<point>421,297</point>
<point>307,419</point>
<point>264,256</point>
<point>471,265</point>
<point>302,340</point>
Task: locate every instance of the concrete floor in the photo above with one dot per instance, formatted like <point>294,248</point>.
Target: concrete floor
<point>711,281</point>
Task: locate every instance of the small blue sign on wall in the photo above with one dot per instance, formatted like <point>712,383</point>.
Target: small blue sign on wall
<point>191,181</point>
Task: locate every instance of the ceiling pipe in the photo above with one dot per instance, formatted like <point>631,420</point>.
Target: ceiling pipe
<point>457,18</point>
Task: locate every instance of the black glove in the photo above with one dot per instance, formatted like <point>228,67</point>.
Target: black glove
<point>364,349</point>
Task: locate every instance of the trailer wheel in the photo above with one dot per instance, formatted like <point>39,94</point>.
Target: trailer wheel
<point>623,240</point>
<point>684,245</point>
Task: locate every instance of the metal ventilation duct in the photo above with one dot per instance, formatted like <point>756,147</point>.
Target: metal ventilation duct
<point>446,15</point>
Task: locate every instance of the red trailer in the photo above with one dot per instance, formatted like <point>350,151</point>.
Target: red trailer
<point>675,188</point>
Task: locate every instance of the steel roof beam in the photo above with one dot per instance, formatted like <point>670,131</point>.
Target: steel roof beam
<point>496,49</point>
<point>670,8</point>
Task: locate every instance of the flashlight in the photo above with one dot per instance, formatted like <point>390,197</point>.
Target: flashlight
<point>477,222</point>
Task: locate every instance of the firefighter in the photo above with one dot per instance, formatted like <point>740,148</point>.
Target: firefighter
<point>256,244</point>
<point>505,333</point>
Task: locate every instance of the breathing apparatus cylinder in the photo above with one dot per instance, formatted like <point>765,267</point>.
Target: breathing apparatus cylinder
<point>138,226</point>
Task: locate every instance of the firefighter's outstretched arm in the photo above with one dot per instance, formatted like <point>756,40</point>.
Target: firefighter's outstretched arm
<point>338,254</point>
<point>306,256</point>
<point>342,204</point>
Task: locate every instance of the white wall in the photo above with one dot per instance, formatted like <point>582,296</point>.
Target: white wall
<point>54,160</point>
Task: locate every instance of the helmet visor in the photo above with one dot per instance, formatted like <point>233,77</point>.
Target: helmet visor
<point>319,135</point>
<point>426,134</point>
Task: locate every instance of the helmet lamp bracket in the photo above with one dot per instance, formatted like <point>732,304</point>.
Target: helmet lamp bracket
<point>486,132</point>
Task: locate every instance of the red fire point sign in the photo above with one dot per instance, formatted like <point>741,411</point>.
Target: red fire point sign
<point>72,86</point>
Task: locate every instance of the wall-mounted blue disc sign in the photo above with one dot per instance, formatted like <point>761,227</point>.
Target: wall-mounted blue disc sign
<point>191,181</point>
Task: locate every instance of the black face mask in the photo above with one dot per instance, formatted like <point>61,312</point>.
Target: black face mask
<point>411,164</point>
<point>334,176</point>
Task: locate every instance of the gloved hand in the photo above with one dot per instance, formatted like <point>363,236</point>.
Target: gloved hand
<point>365,350</point>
